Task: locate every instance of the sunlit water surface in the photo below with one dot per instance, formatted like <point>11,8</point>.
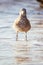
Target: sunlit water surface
<point>20,52</point>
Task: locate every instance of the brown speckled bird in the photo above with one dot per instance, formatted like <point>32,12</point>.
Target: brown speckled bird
<point>22,24</point>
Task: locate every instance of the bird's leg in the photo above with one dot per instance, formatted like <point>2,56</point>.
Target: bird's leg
<point>16,35</point>
<point>26,36</point>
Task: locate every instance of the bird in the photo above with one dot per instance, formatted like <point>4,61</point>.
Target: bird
<point>41,3</point>
<point>21,23</point>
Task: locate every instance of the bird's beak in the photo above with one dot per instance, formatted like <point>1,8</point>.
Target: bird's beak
<point>22,12</point>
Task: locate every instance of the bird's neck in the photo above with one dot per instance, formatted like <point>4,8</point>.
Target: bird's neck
<point>22,16</point>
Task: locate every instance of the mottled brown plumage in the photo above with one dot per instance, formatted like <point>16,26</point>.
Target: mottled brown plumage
<point>22,24</point>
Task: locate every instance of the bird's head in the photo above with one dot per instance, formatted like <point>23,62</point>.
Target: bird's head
<point>23,12</point>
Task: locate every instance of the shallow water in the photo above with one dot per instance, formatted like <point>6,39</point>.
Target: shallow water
<point>20,52</point>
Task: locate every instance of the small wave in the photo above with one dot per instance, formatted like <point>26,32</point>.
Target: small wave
<point>5,27</point>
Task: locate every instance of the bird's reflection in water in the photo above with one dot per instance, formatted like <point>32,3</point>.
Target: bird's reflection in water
<point>22,59</point>
<point>22,51</point>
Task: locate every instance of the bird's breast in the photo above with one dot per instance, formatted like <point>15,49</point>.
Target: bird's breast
<point>21,23</point>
